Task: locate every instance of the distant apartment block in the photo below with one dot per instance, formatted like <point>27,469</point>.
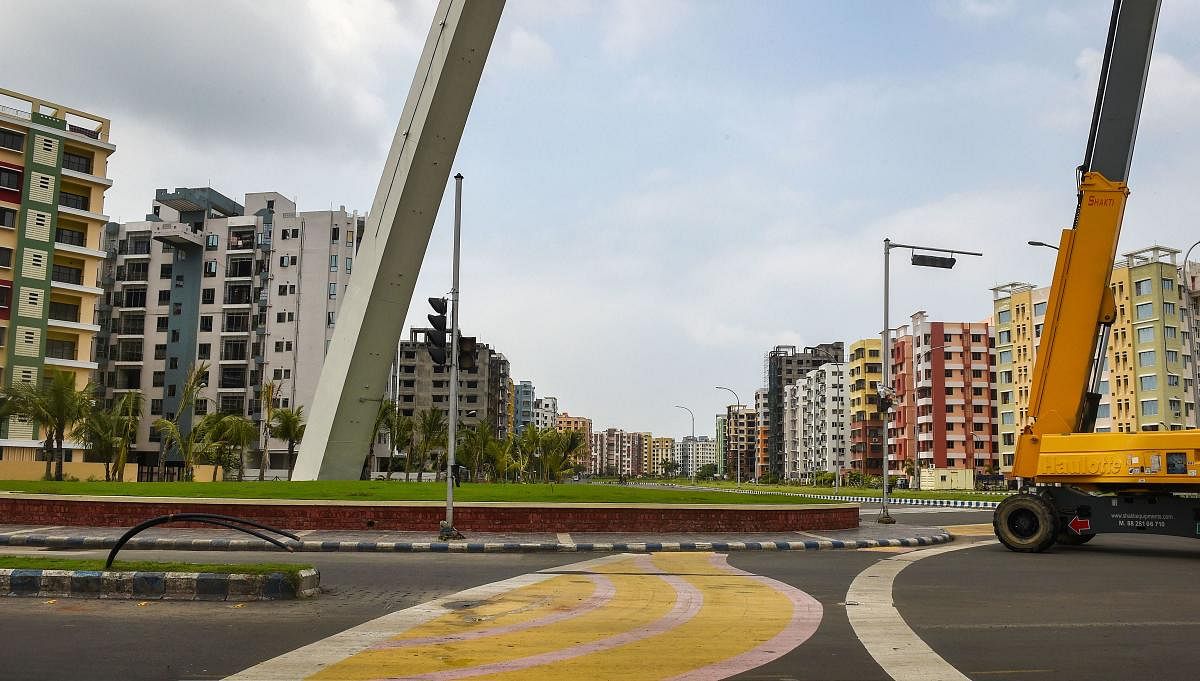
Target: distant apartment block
<point>864,374</point>
<point>53,175</point>
<point>583,426</point>
<point>662,451</point>
<point>616,452</point>
<point>762,436</point>
<point>545,413</point>
<point>951,384</point>
<point>819,420</point>
<point>252,291</point>
<point>722,447</point>
<point>525,401</point>
<point>693,453</point>
<point>785,365</point>
<point>741,441</point>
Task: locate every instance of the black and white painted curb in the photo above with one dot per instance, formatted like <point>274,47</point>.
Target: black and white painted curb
<point>892,501</point>
<point>173,544</point>
<point>152,586</point>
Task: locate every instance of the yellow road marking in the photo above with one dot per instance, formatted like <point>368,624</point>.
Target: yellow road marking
<point>640,599</point>
<point>979,530</point>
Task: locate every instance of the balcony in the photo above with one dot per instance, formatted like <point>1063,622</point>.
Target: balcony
<point>77,201</point>
<point>67,275</point>
<point>179,235</point>
<point>64,312</point>
<point>70,237</point>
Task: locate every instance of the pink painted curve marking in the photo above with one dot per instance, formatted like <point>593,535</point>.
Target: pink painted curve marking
<point>605,590</point>
<point>806,617</point>
<point>688,601</point>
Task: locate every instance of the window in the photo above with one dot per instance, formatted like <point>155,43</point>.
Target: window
<point>177,309</point>
<point>210,268</point>
<point>1172,380</point>
<point>1149,407</point>
<point>349,238</point>
<point>11,139</point>
<point>160,351</point>
<point>156,407</point>
<point>1148,382</point>
<point>1168,284</point>
<point>1172,356</point>
<point>1004,337</point>
<point>211,241</point>
<point>1103,411</point>
<point>333,262</point>
<point>1039,309</point>
<point>1142,288</point>
<point>280,317</point>
<point>1170,332</point>
<point>77,162</point>
<point>329,319</point>
<point>1005,357</point>
<point>10,179</point>
<point>201,407</point>
<point>204,351</point>
<point>1146,358</point>
<point>164,297</point>
<point>334,235</point>
<point>283,289</point>
<point>1007,418</point>
<point>1168,309</point>
<point>1145,334</point>
<point>208,296</point>
<point>161,323</point>
<point>175,336</point>
<point>172,362</point>
<point>332,290</point>
<point>158,379</point>
<point>1143,311</point>
<point>1103,389</point>
<point>6,257</point>
<point>8,218</point>
<point>291,289</point>
<point>349,263</point>
<point>164,271</point>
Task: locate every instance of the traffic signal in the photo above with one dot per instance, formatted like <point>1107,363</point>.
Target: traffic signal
<point>436,336</point>
<point>466,353</point>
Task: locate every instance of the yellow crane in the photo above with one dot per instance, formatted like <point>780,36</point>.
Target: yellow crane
<point>1082,483</point>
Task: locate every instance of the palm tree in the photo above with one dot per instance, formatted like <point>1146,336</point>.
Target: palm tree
<point>201,442</point>
<point>474,445</point>
<point>432,429</point>
<point>192,386</point>
<point>288,424</point>
<point>100,433</point>
<point>402,430</point>
<point>501,453</point>
<point>55,404</point>
<point>267,396</point>
<point>238,432</point>
<point>530,447</point>
<point>382,425</point>
<point>129,415</point>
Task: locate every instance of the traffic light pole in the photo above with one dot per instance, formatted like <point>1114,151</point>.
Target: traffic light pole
<point>447,530</point>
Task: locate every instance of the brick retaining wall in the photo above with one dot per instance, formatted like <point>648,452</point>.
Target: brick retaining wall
<point>47,510</point>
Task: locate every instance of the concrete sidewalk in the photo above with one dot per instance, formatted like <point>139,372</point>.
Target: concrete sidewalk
<point>167,538</point>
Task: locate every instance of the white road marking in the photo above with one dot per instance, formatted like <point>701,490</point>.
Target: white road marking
<point>308,660</point>
<point>303,533</point>
<point>33,529</point>
<point>884,633</point>
<point>564,538</point>
<point>813,536</point>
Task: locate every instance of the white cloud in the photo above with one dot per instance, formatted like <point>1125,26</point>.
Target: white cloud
<point>632,25</point>
<point>977,10</point>
<point>520,48</point>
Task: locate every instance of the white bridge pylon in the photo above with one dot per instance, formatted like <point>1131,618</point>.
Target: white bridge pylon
<point>371,316</point>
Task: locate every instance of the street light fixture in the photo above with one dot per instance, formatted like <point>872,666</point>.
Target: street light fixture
<point>692,460</point>
<point>727,442</point>
<point>1042,243</point>
<point>885,388</point>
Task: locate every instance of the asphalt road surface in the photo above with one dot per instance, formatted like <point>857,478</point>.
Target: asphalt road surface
<point>1121,607</point>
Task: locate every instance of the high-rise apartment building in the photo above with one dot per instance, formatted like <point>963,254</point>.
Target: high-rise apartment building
<point>53,167</point>
<point>693,453</point>
<point>823,421</point>
<point>864,373</point>
<point>952,385</point>
<point>722,447</point>
<point>1148,379</point>
<point>419,384</point>
<point>523,409</point>
<point>545,413</point>
<point>252,291</point>
<point>784,366</point>
<point>902,426</point>
<point>617,452</point>
<point>662,451</point>
<point>762,440</point>
<point>741,441</point>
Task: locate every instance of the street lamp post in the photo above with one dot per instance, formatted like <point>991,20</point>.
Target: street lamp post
<point>692,458</point>
<point>885,388</point>
<point>728,444</point>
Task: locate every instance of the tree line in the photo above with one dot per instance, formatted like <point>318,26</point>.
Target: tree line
<point>419,443</point>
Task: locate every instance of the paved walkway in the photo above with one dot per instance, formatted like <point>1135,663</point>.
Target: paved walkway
<point>162,538</point>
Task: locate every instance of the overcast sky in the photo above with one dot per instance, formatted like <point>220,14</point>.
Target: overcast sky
<point>656,193</point>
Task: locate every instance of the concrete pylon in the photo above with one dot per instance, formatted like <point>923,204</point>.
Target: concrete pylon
<point>371,317</point>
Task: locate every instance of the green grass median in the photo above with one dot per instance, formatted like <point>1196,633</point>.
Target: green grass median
<point>367,491</point>
<point>291,570</point>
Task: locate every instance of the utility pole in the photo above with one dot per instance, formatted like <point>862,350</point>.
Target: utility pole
<point>447,530</point>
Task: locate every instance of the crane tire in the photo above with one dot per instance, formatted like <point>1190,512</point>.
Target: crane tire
<point>1026,523</point>
<point>1069,538</point>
